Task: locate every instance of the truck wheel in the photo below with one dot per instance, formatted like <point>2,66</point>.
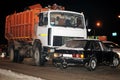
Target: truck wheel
<point>13,55</point>
<point>37,56</point>
<point>91,65</point>
<point>115,62</point>
<point>11,51</point>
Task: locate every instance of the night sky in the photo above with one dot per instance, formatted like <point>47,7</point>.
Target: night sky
<point>106,11</point>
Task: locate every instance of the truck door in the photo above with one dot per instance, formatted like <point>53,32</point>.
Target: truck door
<point>42,28</point>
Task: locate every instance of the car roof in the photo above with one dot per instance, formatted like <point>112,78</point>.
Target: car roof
<point>85,39</point>
<point>107,42</point>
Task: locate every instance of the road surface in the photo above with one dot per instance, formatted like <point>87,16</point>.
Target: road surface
<point>49,72</point>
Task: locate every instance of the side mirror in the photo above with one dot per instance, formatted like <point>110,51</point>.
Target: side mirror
<point>86,22</point>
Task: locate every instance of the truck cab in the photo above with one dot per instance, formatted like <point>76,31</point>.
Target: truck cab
<point>57,26</point>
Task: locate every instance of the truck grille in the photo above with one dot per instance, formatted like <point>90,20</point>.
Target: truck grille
<point>60,40</point>
<point>57,41</point>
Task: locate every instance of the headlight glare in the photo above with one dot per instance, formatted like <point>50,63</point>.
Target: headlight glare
<point>57,55</point>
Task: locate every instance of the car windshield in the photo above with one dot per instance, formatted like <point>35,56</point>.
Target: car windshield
<point>66,19</point>
<point>112,45</point>
<point>76,44</point>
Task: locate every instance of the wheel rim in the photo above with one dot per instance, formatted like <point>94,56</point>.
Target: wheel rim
<point>36,56</point>
<point>93,64</point>
<point>115,62</point>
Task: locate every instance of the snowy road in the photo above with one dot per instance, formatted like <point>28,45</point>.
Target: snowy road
<point>10,75</point>
<point>15,71</point>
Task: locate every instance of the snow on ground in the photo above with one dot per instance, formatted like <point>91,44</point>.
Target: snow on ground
<point>10,75</point>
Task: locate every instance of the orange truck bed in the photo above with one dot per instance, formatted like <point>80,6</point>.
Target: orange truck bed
<point>20,26</point>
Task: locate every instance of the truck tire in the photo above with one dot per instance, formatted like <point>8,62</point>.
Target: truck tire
<point>37,55</point>
<point>11,51</point>
<point>13,54</point>
<point>91,65</point>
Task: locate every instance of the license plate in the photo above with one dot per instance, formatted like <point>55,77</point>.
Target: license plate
<point>67,55</point>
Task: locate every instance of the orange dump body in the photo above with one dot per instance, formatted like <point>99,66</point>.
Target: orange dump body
<point>20,26</point>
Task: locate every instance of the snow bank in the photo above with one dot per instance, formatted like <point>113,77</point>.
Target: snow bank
<point>10,75</point>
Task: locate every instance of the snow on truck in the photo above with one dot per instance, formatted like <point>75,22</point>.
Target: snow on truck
<point>37,31</point>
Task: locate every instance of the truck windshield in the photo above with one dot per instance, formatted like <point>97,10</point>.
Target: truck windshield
<point>66,19</point>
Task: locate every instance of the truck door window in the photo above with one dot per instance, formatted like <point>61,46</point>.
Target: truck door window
<point>43,19</point>
<point>40,19</point>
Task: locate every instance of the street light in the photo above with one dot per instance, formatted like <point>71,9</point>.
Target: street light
<point>119,16</point>
<point>98,23</point>
<point>89,30</point>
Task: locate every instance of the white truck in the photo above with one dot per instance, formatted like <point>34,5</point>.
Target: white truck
<point>37,31</point>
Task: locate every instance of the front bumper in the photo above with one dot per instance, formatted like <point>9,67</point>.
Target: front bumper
<point>69,61</point>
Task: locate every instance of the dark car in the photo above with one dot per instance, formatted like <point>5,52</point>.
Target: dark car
<point>87,52</point>
<point>115,47</point>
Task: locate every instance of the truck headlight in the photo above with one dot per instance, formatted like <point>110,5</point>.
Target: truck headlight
<point>57,55</point>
